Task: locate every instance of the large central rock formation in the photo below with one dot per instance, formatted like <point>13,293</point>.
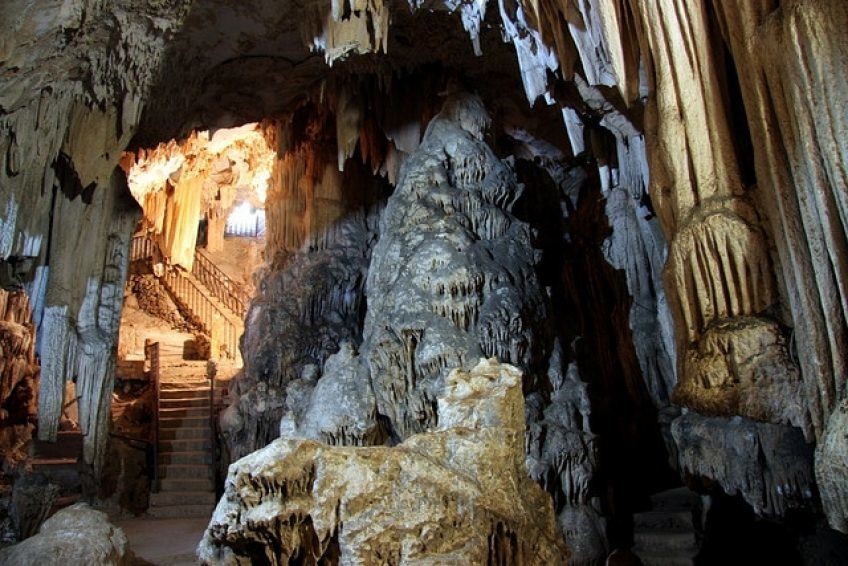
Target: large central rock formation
<point>457,495</point>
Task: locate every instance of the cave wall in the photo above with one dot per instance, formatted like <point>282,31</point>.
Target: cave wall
<point>75,76</point>
<point>732,171</point>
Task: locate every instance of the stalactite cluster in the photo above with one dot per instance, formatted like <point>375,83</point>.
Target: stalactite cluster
<point>205,175</point>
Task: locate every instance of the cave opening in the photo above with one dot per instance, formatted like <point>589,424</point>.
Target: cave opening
<point>508,274</point>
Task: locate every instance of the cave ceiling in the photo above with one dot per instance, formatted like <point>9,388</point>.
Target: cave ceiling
<point>238,62</point>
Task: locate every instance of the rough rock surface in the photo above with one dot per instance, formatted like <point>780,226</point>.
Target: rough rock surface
<point>737,109</point>
<point>458,494</point>
<point>18,374</point>
<point>452,276</point>
<point>300,315</point>
<point>777,478</point>
<point>75,535</point>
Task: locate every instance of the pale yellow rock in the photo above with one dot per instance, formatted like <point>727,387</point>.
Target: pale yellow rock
<point>456,495</point>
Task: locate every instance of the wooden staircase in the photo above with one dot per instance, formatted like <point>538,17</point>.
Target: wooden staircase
<point>206,295</point>
<point>185,449</point>
<point>665,535</point>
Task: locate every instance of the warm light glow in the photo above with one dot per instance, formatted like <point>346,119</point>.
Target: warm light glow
<point>238,161</point>
<point>149,176</point>
<point>260,182</point>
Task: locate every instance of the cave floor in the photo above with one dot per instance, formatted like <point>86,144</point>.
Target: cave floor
<point>164,542</point>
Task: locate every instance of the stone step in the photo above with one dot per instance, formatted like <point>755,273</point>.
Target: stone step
<point>166,498</point>
<point>199,393</point>
<point>182,484</point>
<point>181,386</point>
<point>185,471</point>
<point>664,521</point>
<point>668,542</point>
<point>186,445</point>
<point>183,402</point>
<point>189,412</point>
<point>199,457</point>
<point>185,433</point>
<point>186,422</point>
<point>181,511</point>
<point>187,364</point>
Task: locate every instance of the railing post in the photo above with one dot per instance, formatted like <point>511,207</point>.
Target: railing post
<point>211,373</point>
<point>151,357</point>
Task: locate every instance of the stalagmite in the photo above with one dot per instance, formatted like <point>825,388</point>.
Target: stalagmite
<point>458,494</point>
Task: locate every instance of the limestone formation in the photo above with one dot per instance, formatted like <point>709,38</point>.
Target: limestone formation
<point>452,276</point>
<point>18,373</point>
<point>74,535</point>
<point>307,304</point>
<point>778,477</point>
<point>206,175</point>
<point>458,494</point>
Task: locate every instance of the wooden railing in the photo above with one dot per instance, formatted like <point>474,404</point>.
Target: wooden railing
<point>203,310</point>
<point>219,284</point>
<point>151,359</point>
<point>197,296</point>
<point>141,248</point>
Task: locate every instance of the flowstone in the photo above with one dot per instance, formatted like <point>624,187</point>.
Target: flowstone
<point>460,494</point>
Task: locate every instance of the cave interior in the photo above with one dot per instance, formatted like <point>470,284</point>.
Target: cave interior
<point>386,282</point>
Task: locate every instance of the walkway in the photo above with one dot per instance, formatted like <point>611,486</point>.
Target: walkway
<point>164,542</point>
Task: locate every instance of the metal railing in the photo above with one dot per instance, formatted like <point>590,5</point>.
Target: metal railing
<point>151,360</point>
<point>220,284</point>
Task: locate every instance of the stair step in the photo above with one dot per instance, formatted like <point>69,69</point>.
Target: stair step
<point>183,403</point>
<point>664,521</point>
<point>181,511</point>
<point>169,394</point>
<point>180,386</point>
<point>186,445</point>
<point>185,458</point>
<point>189,412</point>
<point>166,498</point>
<point>38,463</point>
<point>185,471</point>
<point>186,433</point>
<point>185,422</point>
<point>182,484</point>
<point>665,541</point>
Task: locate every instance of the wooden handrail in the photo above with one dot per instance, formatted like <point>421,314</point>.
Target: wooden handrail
<point>203,311</point>
<point>220,284</point>
<point>194,294</point>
